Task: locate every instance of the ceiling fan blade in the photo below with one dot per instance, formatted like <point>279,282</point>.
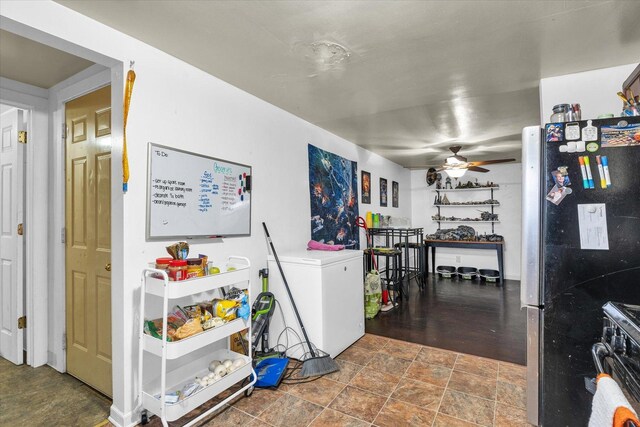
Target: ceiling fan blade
<point>490,162</point>
<point>477,169</point>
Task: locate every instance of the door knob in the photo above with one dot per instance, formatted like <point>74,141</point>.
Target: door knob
<point>108,267</point>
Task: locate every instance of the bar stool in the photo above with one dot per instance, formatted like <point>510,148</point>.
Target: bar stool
<point>391,273</point>
<point>415,267</point>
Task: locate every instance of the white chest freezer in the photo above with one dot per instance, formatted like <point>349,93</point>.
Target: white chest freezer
<point>328,291</point>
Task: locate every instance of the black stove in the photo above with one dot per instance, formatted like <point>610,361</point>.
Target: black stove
<point>621,337</point>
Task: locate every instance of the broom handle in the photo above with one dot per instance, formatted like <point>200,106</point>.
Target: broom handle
<point>286,286</point>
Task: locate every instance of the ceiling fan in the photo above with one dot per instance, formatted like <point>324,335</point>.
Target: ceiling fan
<point>456,166</point>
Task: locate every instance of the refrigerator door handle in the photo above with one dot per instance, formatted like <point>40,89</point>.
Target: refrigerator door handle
<point>531,197</point>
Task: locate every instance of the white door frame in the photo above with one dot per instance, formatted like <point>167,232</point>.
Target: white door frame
<point>34,100</point>
<point>121,410</point>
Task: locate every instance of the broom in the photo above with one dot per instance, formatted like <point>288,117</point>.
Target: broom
<point>318,364</point>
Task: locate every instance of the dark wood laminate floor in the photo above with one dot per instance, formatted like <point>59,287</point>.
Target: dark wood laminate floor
<point>460,315</point>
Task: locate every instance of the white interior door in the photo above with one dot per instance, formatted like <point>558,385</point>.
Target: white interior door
<point>11,240</point>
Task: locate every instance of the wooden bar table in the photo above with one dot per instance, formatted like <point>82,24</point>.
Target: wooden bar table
<point>463,244</point>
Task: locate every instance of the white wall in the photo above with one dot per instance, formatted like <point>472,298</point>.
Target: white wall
<point>178,105</point>
<point>508,177</point>
<point>595,91</point>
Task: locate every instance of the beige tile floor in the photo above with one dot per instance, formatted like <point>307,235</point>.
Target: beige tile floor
<point>384,382</point>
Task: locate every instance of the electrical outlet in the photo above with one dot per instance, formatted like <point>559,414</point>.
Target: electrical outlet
<point>458,260</point>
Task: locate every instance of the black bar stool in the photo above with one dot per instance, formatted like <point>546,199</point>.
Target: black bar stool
<point>415,267</point>
<point>391,272</point>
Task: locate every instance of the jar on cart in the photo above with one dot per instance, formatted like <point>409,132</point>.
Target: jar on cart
<point>194,268</point>
<point>177,269</point>
<point>162,264</point>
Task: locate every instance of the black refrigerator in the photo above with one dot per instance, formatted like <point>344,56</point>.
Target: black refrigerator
<point>580,249</point>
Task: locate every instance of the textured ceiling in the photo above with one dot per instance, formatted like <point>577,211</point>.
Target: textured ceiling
<point>421,75</point>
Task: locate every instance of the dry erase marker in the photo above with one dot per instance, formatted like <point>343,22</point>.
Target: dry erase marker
<point>603,181</point>
<point>585,181</point>
<point>588,168</point>
<point>605,166</point>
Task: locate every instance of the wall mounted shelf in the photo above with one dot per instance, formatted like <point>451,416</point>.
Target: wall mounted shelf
<point>471,205</point>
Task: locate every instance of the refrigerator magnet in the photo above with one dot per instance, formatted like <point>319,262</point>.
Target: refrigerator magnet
<point>557,194</point>
<point>621,134</point>
<point>561,176</point>
<point>572,131</point>
<point>592,147</point>
<point>589,132</point>
<point>554,132</point>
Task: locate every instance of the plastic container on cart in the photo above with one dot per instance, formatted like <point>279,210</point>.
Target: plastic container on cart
<point>468,273</point>
<point>446,271</point>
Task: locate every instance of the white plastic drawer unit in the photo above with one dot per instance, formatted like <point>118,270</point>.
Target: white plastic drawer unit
<point>328,291</point>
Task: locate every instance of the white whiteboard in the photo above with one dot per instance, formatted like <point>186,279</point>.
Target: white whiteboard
<point>194,196</point>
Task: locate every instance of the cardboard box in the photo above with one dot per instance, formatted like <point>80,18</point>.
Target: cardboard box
<point>236,341</point>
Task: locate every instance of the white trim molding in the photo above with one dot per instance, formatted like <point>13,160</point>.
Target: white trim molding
<point>36,259</point>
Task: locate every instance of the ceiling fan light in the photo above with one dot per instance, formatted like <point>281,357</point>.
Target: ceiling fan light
<point>452,161</point>
<point>455,173</point>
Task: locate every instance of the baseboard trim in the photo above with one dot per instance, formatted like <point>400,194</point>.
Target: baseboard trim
<point>52,360</point>
<point>119,419</point>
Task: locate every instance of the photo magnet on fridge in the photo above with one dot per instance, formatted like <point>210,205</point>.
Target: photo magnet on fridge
<point>561,176</point>
<point>557,194</point>
<point>554,132</point>
<point>560,188</point>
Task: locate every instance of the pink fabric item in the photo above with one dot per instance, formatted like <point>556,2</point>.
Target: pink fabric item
<point>317,246</point>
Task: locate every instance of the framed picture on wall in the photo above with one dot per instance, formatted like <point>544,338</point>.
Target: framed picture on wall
<point>395,190</point>
<point>383,192</point>
<point>365,184</point>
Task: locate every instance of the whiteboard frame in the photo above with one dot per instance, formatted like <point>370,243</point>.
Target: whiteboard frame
<point>149,238</point>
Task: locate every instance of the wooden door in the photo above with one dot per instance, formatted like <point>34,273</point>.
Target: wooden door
<point>88,238</point>
<point>11,237</point>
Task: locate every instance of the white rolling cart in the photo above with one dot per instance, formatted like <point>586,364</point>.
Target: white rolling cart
<point>152,393</point>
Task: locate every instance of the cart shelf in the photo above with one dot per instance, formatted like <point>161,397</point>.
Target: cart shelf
<point>177,379</point>
<point>185,346</point>
<point>183,288</point>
